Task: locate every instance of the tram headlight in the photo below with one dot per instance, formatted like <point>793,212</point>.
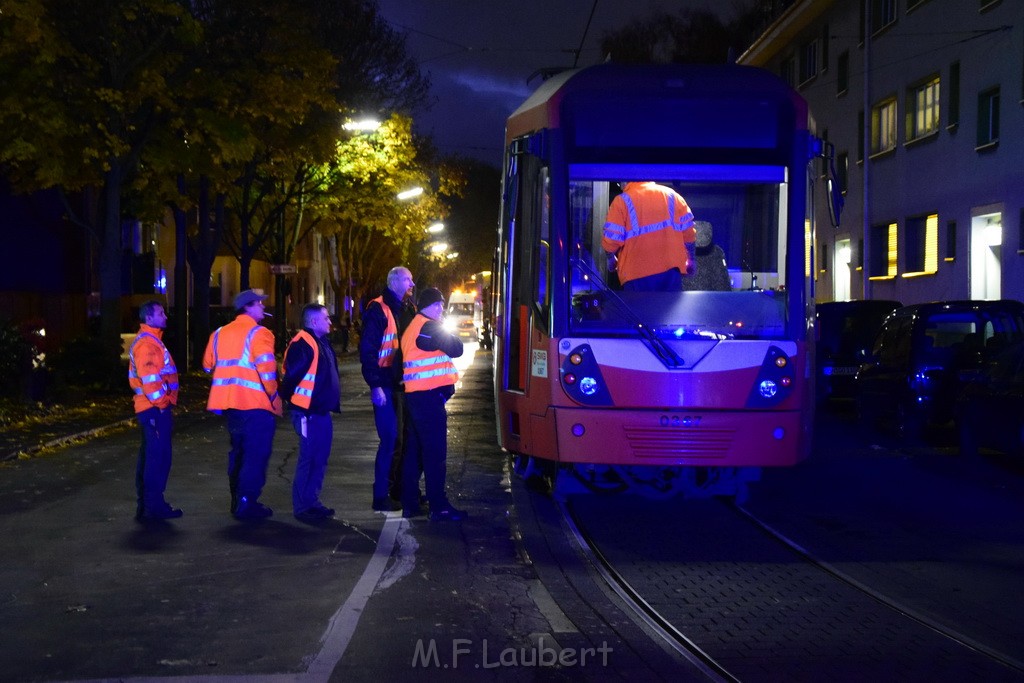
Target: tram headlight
<point>581,376</point>
<point>774,381</point>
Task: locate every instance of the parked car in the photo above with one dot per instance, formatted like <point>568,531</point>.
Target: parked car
<point>924,353</point>
<point>990,409</point>
<point>844,334</point>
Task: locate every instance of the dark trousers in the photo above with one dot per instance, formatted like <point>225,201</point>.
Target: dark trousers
<point>252,439</point>
<point>315,433</point>
<point>154,463</point>
<point>388,418</point>
<point>669,281</point>
<point>426,449</point>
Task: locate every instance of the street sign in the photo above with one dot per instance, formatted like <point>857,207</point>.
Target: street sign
<point>283,269</point>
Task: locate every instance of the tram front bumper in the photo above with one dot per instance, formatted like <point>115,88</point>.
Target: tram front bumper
<point>650,437</point>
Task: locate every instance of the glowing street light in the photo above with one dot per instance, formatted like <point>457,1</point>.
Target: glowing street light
<point>438,247</point>
<point>435,228</point>
<point>363,125</point>
<point>410,193</point>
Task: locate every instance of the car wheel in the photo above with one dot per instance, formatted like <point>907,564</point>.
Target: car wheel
<point>968,440</point>
<point>909,425</point>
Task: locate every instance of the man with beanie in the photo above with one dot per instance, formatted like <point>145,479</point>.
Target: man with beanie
<point>153,377</point>
<point>430,377</point>
<point>241,357</point>
<point>384,320</point>
<point>311,386</point>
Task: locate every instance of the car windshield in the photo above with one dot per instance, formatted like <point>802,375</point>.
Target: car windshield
<point>965,335</point>
<point>460,309</point>
<point>844,330</point>
<point>739,288</point>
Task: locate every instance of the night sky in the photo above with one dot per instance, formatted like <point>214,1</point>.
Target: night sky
<point>480,53</point>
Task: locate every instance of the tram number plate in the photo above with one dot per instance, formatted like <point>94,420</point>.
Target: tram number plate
<point>679,420</point>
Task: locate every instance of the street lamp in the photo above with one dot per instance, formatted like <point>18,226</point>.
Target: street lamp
<point>410,193</point>
<point>438,247</point>
<point>362,126</point>
<point>435,228</point>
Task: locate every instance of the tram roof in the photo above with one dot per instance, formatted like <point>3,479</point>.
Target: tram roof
<point>671,82</point>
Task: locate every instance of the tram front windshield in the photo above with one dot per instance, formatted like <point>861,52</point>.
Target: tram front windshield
<point>737,292</point>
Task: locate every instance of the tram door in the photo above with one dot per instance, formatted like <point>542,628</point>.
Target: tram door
<point>525,262</point>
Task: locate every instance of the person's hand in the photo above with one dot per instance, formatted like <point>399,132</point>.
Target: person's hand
<point>613,263</point>
<point>691,268</point>
<point>378,397</point>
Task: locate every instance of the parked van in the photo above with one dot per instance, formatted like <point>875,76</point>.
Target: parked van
<point>844,334</point>
<point>464,315</point>
<point>925,353</point>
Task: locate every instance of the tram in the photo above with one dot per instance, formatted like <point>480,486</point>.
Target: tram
<point>657,392</point>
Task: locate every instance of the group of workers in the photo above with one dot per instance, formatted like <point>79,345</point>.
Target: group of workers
<point>406,356</point>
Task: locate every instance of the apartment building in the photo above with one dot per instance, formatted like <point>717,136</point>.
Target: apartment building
<point>924,102</point>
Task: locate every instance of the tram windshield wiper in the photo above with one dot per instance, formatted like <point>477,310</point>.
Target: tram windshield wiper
<point>663,351</point>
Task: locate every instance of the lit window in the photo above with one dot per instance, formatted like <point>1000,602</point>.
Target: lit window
<point>921,245</point>
<point>883,126</point>
<point>923,109</point>
<point>882,255</point>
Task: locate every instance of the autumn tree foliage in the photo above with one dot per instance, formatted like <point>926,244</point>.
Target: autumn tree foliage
<point>227,112</point>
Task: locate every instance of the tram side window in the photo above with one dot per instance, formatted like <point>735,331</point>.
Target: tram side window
<point>542,293</point>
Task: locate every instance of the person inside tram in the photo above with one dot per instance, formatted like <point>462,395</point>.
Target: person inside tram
<point>712,274</point>
<point>649,237</point>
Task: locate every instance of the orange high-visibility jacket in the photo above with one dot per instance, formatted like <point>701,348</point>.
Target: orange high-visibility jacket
<point>303,394</point>
<point>389,342</point>
<point>423,370</point>
<point>649,226</point>
<point>241,357</point>
<point>151,371</point>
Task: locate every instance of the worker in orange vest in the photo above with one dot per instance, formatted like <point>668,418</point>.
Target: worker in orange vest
<point>241,357</point>
<point>430,377</point>
<point>311,386</point>
<point>384,320</point>
<point>153,377</point>
<point>649,237</point>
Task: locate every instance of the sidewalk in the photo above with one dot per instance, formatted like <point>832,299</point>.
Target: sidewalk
<point>93,595</point>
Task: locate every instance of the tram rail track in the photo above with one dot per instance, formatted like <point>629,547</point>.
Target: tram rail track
<point>717,660</point>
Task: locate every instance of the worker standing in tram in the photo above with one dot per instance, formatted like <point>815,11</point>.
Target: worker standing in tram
<point>311,386</point>
<point>430,377</point>
<point>153,377</point>
<point>649,237</point>
<point>384,320</point>
<point>241,357</point>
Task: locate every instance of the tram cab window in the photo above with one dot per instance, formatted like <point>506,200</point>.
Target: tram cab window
<point>747,301</point>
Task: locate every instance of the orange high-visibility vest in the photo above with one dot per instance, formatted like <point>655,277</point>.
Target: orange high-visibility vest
<point>241,357</point>
<point>649,226</point>
<point>159,388</point>
<point>303,395</point>
<point>423,370</point>
<point>389,342</point>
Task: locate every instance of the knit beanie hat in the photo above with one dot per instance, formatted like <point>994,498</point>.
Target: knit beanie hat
<point>428,297</point>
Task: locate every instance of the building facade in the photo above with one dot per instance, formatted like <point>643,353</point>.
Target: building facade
<point>924,103</point>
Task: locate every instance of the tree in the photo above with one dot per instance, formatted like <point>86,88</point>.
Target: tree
<point>368,228</point>
<point>87,84</point>
<point>687,37</point>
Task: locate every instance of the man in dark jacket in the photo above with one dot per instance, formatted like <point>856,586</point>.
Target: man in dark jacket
<point>430,377</point>
<point>384,320</point>
<point>313,391</point>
